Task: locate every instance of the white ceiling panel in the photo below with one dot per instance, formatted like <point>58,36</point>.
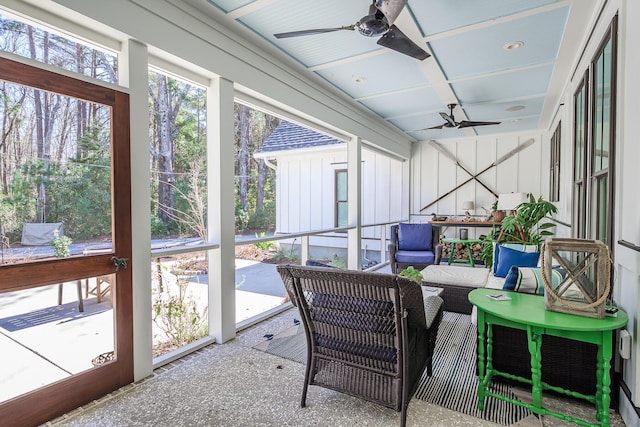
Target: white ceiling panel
<point>469,65</point>
<point>531,82</point>
<point>482,51</point>
<point>436,16</point>
<point>505,110</point>
<point>529,123</point>
<point>293,15</point>
<point>387,72</point>
<point>402,103</point>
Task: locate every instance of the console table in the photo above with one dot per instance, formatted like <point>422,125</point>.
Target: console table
<point>527,312</point>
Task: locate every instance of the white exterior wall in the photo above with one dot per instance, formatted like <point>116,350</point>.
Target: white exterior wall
<point>627,261</point>
<point>305,192</point>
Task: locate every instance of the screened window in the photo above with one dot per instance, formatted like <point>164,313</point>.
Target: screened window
<point>29,41</point>
<point>341,198</point>
<point>594,141</point>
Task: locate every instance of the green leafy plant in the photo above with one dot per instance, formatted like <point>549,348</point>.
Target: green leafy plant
<point>263,245</point>
<point>175,309</point>
<point>525,226</point>
<point>412,273</point>
<point>61,246</point>
<point>487,248</point>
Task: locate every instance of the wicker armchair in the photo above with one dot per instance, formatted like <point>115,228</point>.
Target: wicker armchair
<point>367,333</point>
<point>414,254</point>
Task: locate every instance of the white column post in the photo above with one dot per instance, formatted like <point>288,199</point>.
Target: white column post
<point>134,74</point>
<point>304,249</point>
<point>221,216</point>
<point>354,203</point>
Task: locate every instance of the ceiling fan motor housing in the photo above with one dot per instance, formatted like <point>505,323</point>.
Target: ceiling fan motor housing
<point>373,25</point>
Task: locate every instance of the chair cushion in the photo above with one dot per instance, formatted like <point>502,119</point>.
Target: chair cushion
<point>415,257</point>
<point>415,237</point>
<point>508,257</point>
<point>529,280</point>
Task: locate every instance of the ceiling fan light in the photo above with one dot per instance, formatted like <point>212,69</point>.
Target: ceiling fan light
<point>513,45</point>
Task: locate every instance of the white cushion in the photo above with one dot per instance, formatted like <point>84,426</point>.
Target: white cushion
<point>455,275</point>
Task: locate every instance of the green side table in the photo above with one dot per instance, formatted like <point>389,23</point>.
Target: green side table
<point>527,312</point>
<point>467,243</point>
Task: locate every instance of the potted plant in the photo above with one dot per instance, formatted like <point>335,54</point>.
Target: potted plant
<point>412,273</point>
<point>525,226</point>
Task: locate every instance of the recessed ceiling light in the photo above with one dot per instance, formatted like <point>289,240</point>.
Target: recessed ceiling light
<point>516,108</point>
<point>515,120</point>
<point>513,45</point>
<point>359,79</point>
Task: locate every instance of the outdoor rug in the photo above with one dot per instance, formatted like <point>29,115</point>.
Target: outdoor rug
<point>454,382</point>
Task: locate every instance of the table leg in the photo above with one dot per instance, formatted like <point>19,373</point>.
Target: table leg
<point>80,301</point>
<point>603,388</point>
<point>470,255</point>
<point>481,372</point>
<point>534,340</point>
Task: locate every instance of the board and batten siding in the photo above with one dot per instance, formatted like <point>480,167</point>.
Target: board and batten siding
<point>305,193</point>
<point>433,175</point>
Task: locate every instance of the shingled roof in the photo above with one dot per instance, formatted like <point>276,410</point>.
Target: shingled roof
<point>289,136</point>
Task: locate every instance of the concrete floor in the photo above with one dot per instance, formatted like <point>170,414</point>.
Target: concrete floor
<point>235,385</point>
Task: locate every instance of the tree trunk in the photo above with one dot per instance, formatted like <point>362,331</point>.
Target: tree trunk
<point>40,150</point>
<point>271,123</point>
<point>243,154</point>
<point>165,151</point>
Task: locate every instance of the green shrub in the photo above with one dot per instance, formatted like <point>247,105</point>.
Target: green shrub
<point>242,218</point>
<point>263,245</point>
<point>264,218</point>
<point>158,227</point>
<point>61,246</point>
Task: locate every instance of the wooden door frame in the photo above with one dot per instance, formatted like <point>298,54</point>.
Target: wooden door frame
<point>55,399</point>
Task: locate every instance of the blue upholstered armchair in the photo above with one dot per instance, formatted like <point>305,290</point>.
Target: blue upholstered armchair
<point>417,245</point>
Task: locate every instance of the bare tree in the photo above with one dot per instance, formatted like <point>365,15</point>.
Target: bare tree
<point>194,218</point>
<point>244,118</point>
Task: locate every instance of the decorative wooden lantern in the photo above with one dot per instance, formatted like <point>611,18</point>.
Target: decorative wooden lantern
<point>586,283</point>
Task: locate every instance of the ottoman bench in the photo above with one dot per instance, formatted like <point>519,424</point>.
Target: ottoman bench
<point>456,283</point>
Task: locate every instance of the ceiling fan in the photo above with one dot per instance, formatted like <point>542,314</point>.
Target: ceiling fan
<point>450,121</point>
<point>379,22</point>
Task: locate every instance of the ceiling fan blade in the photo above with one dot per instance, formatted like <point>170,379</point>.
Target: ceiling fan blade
<point>396,40</point>
<point>467,124</point>
<point>449,120</point>
<point>390,8</point>
<point>312,32</point>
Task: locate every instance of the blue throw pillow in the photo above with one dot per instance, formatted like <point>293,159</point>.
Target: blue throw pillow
<point>529,280</point>
<point>508,257</point>
<point>415,237</point>
<point>517,246</point>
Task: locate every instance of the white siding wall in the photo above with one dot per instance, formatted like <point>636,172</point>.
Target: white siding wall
<point>305,192</point>
<point>434,175</point>
<point>627,284</point>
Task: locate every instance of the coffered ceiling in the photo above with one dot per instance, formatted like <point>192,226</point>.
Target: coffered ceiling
<point>470,65</point>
